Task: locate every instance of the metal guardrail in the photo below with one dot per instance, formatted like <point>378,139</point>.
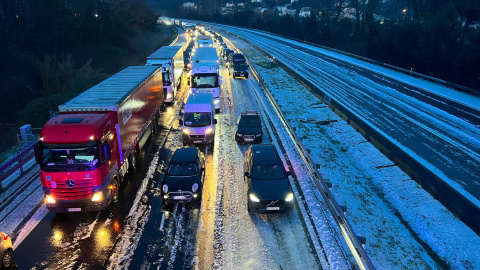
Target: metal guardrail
<point>335,209</point>
<point>453,200</point>
<point>16,163</point>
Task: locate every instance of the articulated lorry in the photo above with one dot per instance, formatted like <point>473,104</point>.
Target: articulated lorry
<point>171,60</point>
<point>204,75</point>
<point>85,151</point>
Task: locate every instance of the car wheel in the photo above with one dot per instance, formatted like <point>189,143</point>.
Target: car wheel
<point>7,259</point>
<point>248,206</point>
<point>234,75</point>
<point>246,76</point>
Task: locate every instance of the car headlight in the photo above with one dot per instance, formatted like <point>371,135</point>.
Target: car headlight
<point>49,199</point>
<point>97,197</point>
<point>186,131</point>
<point>209,130</point>
<point>254,198</point>
<point>289,197</point>
<point>165,188</point>
<point>216,101</point>
<point>239,135</point>
<point>195,187</point>
<point>258,135</point>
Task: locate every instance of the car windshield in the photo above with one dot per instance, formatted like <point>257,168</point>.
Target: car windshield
<point>197,119</point>
<point>267,172</point>
<point>182,169</point>
<point>79,155</point>
<point>240,64</point>
<point>249,122</point>
<point>205,80</point>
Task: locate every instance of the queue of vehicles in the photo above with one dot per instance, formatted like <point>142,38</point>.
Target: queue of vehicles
<point>87,149</point>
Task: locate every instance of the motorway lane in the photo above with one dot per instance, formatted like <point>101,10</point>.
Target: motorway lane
<point>437,130</point>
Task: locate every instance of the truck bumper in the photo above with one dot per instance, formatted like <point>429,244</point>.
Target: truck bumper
<point>82,205</point>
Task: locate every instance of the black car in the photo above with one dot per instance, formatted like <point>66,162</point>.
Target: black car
<point>268,187</point>
<point>249,128</point>
<point>237,65</point>
<point>184,176</point>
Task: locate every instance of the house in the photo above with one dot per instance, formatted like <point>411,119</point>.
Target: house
<point>291,12</point>
<point>282,10</point>
<point>259,10</point>
<point>188,5</point>
<point>305,12</point>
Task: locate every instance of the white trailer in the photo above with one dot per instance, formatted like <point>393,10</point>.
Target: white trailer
<point>171,60</point>
<point>204,76</point>
<point>203,41</point>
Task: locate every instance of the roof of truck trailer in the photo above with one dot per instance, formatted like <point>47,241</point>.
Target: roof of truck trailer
<point>110,93</point>
<point>205,53</point>
<point>165,52</point>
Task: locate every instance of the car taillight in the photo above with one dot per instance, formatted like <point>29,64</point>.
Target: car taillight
<point>5,237</point>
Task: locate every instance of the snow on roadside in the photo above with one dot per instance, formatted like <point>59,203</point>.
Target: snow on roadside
<point>391,210</point>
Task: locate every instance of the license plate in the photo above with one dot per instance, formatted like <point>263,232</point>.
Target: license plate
<point>249,140</point>
<point>74,209</point>
<point>273,208</point>
<point>197,141</point>
<point>179,197</point>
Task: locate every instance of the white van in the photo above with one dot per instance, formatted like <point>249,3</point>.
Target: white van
<point>199,119</point>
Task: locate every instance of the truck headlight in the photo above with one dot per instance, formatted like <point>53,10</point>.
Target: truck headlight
<point>169,95</point>
<point>49,199</point>
<point>209,130</point>
<point>165,188</point>
<point>289,197</point>
<point>186,131</point>
<point>195,187</point>
<point>254,198</point>
<point>97,197</point>
<point>216,101</point>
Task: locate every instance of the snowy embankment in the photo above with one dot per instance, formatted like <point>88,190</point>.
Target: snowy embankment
<point>405,227</point>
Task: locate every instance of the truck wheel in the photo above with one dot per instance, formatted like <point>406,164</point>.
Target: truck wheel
<point>115,187</point>
<point>132,160</point>
<point>7,259</point>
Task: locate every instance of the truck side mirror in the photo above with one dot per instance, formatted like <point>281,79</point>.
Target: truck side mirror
<point>188,82</point>
<point>38,157</point>
<point>214,121</point>
<point>220,79</point>
<point>107,152</point>
<point>180,122</point>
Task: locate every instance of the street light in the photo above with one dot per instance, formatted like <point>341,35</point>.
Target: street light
<point>404,11</point>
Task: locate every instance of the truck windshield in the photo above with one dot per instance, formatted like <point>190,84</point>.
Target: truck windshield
<point>197,119</point>
<point>166,76</point>
<point>205,80</point>
<point>87,156</point>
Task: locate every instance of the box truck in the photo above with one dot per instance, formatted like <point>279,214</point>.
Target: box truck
<point>204,76</point>
<point>170,58</point>
<point>85,151</point>
<point>198,119</point>
<point>203,41</point>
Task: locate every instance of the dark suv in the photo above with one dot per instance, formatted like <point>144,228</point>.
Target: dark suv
<point>184,176</point>
<point>249,128</point>
<point>268,187</point>
<point>237,65</point>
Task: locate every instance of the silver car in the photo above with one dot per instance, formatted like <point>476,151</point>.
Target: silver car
<point>6,251</point>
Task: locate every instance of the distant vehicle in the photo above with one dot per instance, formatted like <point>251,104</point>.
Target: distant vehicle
<point>199,119</point>
<point>6,251</point>
<point>226,53</point>
<point>249,128</point>
<point>237,65</point>
<point>204,75</point>
<point>85,151</point>
<point>184,176</point>
<point>203,41</point>
<point>268,186</point>
<point>170,58</point>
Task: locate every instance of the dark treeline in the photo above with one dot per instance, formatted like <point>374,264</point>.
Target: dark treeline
<point>51,50</point>
<point>439,38</point>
